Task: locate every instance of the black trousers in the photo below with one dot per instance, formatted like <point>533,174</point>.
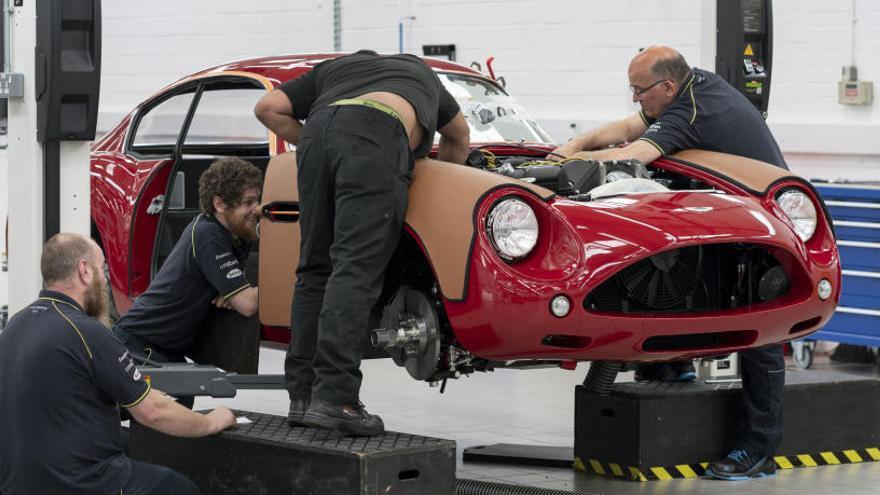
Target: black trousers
<point>152,479</point>
<point>763,379</point>
<point>354,167</point>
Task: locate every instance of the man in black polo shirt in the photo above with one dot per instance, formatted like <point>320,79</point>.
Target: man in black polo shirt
<point>63,377</point>
<point>205,268</point>
<point>367,118</point>
<point>685,108</point>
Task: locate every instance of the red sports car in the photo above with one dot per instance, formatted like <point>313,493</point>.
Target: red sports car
<point>511,260</point>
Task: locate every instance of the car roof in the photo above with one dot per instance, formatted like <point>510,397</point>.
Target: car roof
<point>284,67</point>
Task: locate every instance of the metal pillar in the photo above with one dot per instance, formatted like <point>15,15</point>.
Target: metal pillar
<point>24,170</point>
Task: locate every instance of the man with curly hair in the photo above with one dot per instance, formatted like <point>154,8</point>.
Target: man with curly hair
<point>204,270</point>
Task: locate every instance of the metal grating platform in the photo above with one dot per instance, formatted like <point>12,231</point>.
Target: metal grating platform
<point>275,430</point>
<point>268,456</point>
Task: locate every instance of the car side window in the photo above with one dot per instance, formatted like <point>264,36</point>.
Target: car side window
<point>159,127</point>
<point>226,116</point>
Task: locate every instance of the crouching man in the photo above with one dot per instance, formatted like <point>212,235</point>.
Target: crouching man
<point>63,378</point>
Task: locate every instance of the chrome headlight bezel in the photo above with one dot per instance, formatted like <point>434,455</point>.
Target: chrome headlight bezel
<point>800,210</point>
<point>512,228</point>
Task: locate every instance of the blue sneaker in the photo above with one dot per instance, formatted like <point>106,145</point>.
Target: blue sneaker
<point>740,465</point>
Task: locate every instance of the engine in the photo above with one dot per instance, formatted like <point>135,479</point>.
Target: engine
<point>585,180</point>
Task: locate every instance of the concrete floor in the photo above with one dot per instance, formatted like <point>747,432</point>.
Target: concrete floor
<point>535,407</point>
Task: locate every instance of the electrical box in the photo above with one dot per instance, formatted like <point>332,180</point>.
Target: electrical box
<point>11,85</point>
<point>744,47</point>
<point>855,92</point>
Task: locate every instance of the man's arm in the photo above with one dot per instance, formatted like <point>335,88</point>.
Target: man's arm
<point>275,111</point>
<point>245,302</point>
<point>639,150</point>
<point>624,130</point>
<point>455,140</point>
<point>163,414</point>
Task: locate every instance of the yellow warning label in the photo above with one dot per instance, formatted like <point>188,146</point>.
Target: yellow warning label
<point>748,51</point>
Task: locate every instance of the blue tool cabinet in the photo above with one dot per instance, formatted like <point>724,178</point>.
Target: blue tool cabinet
<point>855,210</point>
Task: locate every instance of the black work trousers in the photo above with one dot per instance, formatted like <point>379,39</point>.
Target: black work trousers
<point>153,479</point>
<point>354,166</point>
<point>763,380</point>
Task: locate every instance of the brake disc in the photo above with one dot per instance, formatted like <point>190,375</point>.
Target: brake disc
<point>411,309</point>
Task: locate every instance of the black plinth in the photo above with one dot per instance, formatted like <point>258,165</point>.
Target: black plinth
<point>268,456</point>
<point>827,416</point>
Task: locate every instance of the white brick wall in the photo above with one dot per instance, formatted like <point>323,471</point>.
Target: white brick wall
<point>565,59</point>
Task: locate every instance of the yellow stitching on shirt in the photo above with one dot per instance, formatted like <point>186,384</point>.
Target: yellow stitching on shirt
<point>694,103</point>
<point>138,401</point>
<point>72,325</point>
<point>193,234</point>
<point>236,291</point>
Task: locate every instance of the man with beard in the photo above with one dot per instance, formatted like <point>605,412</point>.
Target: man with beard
<point>204,269</point>
<point>62,378</point>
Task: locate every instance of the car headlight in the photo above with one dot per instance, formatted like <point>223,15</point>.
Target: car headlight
<point>799,208</point>
<point>513,228</point>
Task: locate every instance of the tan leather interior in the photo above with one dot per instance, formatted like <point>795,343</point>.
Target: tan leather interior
<point>753,174</point>
<point>442,198</point>
<point>279,244</point>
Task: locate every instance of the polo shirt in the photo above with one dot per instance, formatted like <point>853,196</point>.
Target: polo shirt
<point>207,261</point>
<point>709,114</point>
<point>366,72</point>
<point>62,375</point>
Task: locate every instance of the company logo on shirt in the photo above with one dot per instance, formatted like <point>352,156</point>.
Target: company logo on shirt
<point>137,374</point>
<point>223,255</point>
<point>655,127</point>
<point>228,264</point>
<point>234,273</point>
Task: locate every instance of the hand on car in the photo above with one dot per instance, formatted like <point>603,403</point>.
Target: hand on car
<point>565,151</point>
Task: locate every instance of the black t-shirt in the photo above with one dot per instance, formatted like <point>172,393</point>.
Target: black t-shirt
<point>206,262</point>
<point>62,375</point>
<point>364,72</point>
<point>709,114</point>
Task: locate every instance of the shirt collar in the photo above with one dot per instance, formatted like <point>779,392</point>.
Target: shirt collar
<point>235,240</point>
<point>51,295</point>
<point>690,79</point>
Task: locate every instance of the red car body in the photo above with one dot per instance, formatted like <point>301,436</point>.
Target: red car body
<point>489,310</point>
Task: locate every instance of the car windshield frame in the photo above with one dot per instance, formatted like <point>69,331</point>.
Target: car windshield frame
<point>492,115</point>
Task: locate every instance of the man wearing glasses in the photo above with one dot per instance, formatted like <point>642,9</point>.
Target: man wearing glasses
<point>684,108</point>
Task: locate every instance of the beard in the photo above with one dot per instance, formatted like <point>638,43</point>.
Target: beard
<point>97,303</point>
<point>240,228</point>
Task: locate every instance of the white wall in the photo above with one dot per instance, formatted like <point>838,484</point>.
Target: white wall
<point>565,59</point>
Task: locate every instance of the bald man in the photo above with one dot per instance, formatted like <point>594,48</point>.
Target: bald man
<point>689,108</point>
<point>63,378</point>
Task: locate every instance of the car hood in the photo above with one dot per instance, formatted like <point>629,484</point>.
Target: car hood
<point>619,230</point>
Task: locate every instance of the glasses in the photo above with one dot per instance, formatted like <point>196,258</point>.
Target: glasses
<point>637,91</point>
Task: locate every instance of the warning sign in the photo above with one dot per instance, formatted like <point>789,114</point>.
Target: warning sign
<point>748,51</point>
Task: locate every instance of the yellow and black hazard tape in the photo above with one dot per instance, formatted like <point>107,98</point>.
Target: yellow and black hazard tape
<point>683,471</point>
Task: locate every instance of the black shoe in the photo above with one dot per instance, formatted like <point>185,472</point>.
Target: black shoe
<point>298,408</point>
<point>354,420</point>
<point>740,465</point>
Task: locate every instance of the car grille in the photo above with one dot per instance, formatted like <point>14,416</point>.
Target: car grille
<point>701,278</point>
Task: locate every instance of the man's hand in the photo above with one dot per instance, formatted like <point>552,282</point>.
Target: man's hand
<point>565,151</point>
<point>220,419</point>
<point>221,303</point>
